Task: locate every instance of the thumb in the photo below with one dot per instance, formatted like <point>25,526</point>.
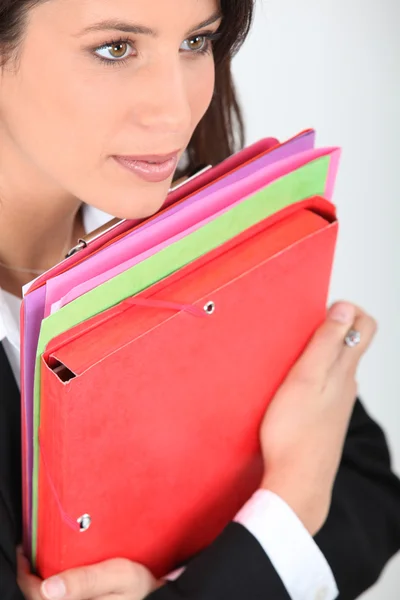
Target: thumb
<point>112,577</point>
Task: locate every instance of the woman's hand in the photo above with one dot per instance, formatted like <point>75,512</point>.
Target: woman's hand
<point>117,579</point>
<point>305,426</point>
<point>28,583</point>
<point>302,437</point>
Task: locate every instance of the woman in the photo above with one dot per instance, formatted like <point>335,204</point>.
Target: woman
<point>99,101</point>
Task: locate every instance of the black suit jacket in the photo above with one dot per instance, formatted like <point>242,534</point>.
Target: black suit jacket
<point>361,534</point>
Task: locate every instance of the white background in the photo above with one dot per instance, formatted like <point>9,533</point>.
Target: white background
<point>335,65</point>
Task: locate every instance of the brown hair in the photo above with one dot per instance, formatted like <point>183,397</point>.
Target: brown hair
<point>221,130</point>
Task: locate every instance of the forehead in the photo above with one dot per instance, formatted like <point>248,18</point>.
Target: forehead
<point>157,15</point>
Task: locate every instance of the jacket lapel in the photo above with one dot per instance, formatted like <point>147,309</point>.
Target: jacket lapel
<point>10,444</point>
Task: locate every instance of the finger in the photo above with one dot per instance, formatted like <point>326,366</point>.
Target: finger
<point>113,577</point>
<point>29,584</point>
<point>326,345</point>
<point>23,564</point>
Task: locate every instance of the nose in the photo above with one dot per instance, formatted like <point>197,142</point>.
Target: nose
<point>162,99</point>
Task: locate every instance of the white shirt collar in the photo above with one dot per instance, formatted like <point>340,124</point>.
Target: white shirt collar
<point>10,305</point>
<point>9,317</point>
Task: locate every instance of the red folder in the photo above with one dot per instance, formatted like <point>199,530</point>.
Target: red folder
<point>150,413</point>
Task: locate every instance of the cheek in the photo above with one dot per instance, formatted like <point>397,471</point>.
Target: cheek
<point>52,114</point>
<point>201,83</point>
<point>63,122</point>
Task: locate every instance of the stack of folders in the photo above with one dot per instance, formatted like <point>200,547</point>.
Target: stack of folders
<point>150,354</point>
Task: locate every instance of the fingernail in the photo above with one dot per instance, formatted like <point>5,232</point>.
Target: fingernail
<point>343,312</point>
<point>54,588</point>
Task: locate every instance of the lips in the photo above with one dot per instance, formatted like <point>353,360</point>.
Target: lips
<point>152,168</point>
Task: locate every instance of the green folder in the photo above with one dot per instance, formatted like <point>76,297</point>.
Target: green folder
<point>307,181</point>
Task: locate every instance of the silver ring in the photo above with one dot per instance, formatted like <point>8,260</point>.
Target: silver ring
<point>353,338</point>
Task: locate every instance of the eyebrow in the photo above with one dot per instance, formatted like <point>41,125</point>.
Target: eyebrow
<point>125,27</point>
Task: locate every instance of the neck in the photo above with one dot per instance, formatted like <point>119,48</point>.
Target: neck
<point>38,221</point>
<point>19,264</point>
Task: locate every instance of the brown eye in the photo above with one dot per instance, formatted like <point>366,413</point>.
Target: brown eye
<point>195,44</point>
<point>114,52</point>
<point>118,50</point>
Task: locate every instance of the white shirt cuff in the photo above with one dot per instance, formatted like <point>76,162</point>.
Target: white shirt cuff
<point>175,574</point>
<point>295,556</point>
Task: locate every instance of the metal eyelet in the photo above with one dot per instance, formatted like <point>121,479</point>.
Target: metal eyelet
<point>209,308</point>
<point>85,522</point>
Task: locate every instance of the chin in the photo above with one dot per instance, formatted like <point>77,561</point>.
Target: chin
<point>137,204</point>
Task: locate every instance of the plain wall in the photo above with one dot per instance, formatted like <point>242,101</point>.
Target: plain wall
<point>335,65</point>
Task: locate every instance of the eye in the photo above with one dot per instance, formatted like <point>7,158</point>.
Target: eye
<point>116,51</point>
<point>198,43</point>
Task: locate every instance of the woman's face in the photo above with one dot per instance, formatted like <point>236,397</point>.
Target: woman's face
<point>100,83</point>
